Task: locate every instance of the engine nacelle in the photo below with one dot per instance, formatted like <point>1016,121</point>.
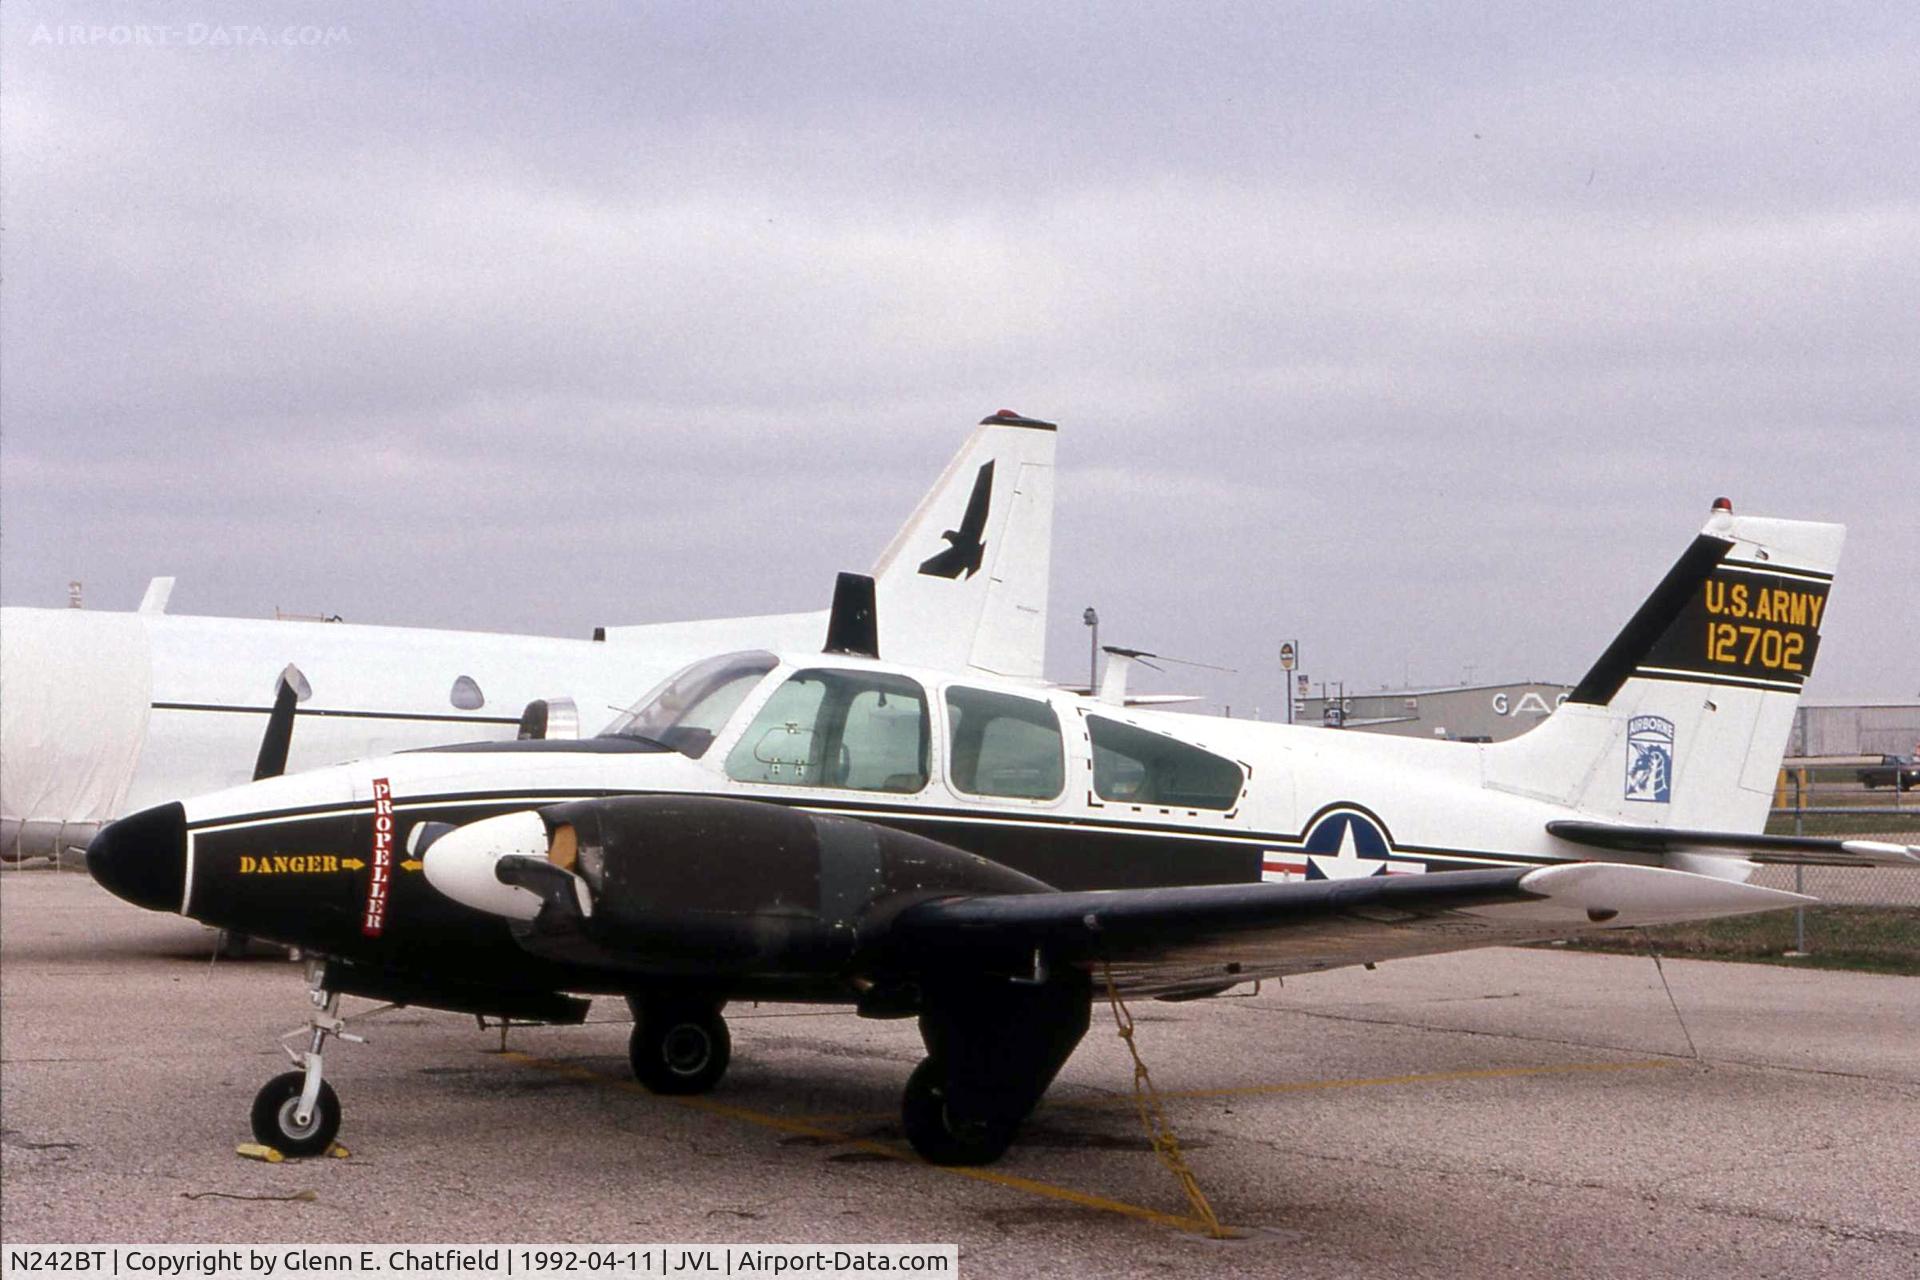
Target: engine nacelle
<point>713,885</point>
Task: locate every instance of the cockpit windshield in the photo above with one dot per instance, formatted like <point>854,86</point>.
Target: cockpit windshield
<point>686,710</point>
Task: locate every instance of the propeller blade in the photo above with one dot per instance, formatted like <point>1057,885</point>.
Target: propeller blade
<point>272,760</point>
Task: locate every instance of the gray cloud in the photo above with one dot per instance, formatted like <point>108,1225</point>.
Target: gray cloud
<point>1424,336</point>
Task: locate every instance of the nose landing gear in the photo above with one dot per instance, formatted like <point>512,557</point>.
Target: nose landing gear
<point>297,1113</point>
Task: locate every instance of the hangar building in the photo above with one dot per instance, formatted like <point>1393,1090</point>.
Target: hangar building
<point>1473,713</point>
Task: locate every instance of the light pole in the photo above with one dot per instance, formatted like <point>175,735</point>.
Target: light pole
<point>1092,620</point>
<point>1289,659</point>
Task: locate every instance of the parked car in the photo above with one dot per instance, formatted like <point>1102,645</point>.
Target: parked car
<point>1893,771</point>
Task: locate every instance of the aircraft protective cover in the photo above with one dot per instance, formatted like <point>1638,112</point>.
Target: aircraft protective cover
<point>75,689</point>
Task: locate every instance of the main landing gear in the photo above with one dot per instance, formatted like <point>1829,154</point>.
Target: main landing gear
<point>993,1047</point>
<point>297,1113</point>
<point>679,1044</point>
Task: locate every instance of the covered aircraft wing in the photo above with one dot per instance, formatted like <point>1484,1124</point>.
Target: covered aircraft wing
<point>1810,851</point>
<point>1163,941</point>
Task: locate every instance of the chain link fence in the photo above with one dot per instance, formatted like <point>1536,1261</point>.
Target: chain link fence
<point>1855,797</point>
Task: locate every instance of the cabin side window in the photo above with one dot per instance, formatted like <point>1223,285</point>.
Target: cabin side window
<point>1004,745</point>
<point>864,731</point>
<point>1133,766</point>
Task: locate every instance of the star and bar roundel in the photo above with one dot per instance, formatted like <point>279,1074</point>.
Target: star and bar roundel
<point>1339,844</point>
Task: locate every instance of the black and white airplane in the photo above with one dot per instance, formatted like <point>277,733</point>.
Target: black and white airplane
<point>987,855</point>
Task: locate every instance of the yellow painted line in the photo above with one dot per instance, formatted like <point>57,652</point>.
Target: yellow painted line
<point>1306,1086</point>
<point>1376,1082</point>
<point>812,1129</point>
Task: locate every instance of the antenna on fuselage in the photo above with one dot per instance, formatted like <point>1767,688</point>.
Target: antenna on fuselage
<point>854,625</point>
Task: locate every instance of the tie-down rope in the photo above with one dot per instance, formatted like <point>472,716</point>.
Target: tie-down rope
<point>1153,1118</point>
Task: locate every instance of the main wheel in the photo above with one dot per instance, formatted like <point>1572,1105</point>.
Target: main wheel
<point>679,1049</point>
<point>273,1123</point>
<point>941,1136</point>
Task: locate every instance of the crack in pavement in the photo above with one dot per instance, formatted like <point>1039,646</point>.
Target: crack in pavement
<point>1895,1082</point>
<point>1842,1231</point>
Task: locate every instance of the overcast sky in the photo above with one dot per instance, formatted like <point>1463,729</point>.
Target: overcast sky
<point>1424,334</point>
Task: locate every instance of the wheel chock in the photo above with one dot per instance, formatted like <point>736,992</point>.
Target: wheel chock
<point>258,1151</point>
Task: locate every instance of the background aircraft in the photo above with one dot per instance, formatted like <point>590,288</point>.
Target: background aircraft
<point>105,713</point>
<point>986,855</point>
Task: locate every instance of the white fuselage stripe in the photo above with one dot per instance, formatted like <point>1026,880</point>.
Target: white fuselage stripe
<point>1257,843</point>
<point>1785,686</point>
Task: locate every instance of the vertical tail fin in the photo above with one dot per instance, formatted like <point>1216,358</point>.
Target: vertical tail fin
<point>1684,719</point>
<point>964,583</point>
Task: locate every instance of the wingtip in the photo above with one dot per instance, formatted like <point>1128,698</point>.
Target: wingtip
<point>1883,852</point>
<point>1619,896</point>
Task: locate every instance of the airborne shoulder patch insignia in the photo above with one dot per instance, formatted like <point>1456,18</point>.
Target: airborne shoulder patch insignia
<point>1650,759</point>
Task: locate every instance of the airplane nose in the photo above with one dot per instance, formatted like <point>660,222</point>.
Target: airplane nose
<point>143,857</point>
<point>462,863</point>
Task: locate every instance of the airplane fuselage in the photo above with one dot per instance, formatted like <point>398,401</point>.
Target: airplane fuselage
<point>321,860</point>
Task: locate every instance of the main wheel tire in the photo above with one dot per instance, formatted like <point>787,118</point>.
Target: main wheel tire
<point>940,1136</point>
<point>679,1049</point>
<point>273,1109</point>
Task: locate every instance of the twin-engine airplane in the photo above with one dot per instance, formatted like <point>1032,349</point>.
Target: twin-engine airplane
<point>987,855</point>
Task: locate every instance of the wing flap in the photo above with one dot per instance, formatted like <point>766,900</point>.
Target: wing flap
<point>1809,851</point>
<point>1167,940</point>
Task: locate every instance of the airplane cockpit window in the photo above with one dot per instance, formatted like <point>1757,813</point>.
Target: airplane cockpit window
<point>684,711</point>
<point>861,730</point>
<point>1136,767</point>
<point>1004,745</point>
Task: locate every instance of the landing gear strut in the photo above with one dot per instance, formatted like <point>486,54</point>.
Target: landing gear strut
<point>993,1047</point>
<point>297,1113</point>
<point>679,1045</point>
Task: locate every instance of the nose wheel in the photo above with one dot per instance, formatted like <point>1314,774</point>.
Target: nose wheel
<point>276,1116</point>
<point>678,1046</point>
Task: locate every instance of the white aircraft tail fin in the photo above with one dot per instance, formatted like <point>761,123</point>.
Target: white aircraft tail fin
<point>1684,719</point>
<point>963,585</point>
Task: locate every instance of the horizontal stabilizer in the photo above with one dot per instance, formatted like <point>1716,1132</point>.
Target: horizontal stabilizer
<point>1161,941</point>
<point>1808,851</point>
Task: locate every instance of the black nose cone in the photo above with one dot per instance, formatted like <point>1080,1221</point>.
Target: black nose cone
<point>143,857</point>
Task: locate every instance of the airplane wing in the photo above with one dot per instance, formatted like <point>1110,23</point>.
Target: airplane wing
<point>1810,851</point>
<point>1165,941</point>
<point>634,884</point>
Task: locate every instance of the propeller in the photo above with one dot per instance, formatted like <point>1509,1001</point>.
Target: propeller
<point>291,689</point>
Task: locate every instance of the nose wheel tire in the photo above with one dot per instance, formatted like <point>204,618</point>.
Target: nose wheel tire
<point>941,1135</point>
<point>274,1122</point>
<point>679,1049</point>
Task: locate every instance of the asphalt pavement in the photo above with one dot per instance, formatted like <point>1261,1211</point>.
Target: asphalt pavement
<point>1492,1113</point>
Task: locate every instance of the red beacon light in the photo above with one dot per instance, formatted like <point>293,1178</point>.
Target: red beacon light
<point>1723,504</point>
